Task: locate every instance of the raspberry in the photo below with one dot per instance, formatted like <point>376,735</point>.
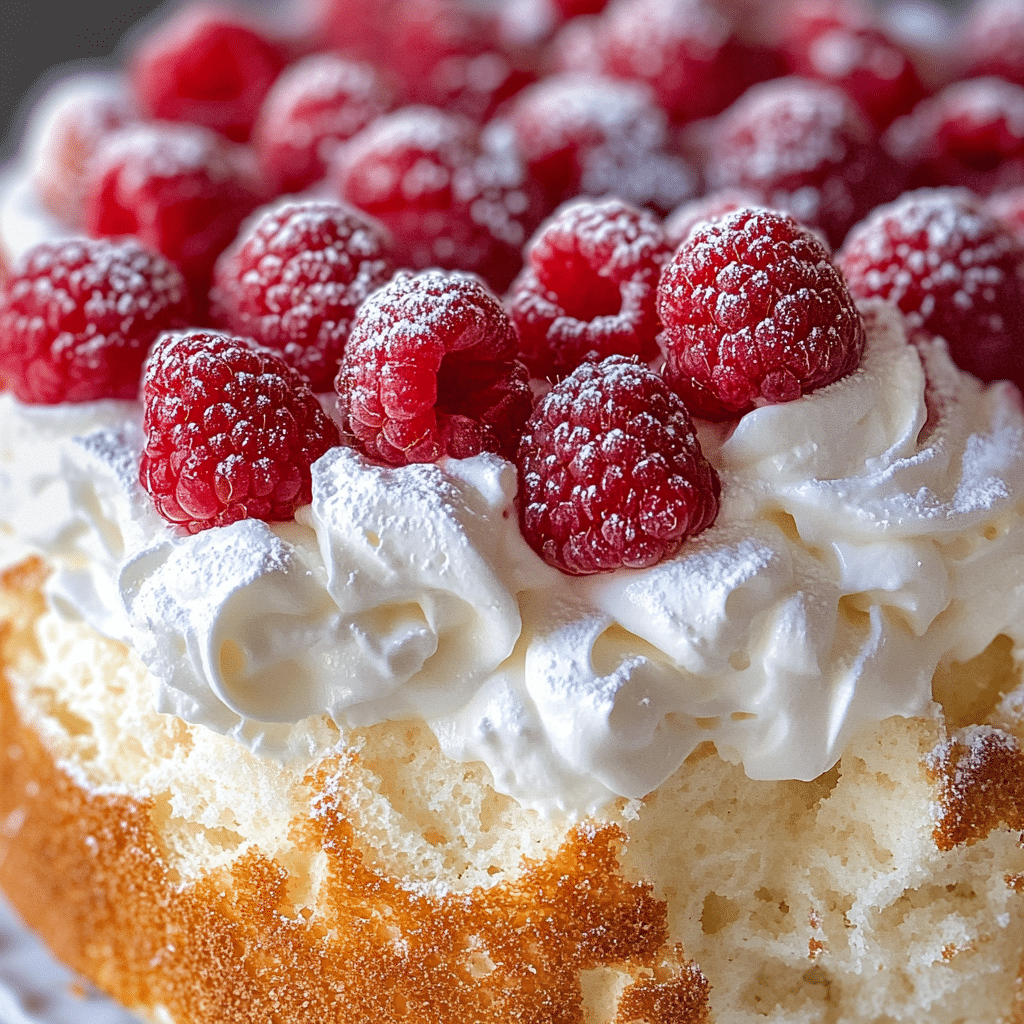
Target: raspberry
<point>589,287</point>
<point>446,200</point>
<point>611,473</point>
<point>955,271</point>
<point>804,147</point>
<point>970,134</point>
<point>66,131</point>
<point>79,315</point>
<point>993,40</point>
<point>317,103</point>
<point>826,40</point>
<point>360,29</point>
<point>686,217</point>
<point>205,66</point>
<point>755,312</point>
<point>293,279</point>
<point>685,50</point>
<point>430,370</point>
<point>231,432</point>
<point>590,135</point>
<point>181,189</point>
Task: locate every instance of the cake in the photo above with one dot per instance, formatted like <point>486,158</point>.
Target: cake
<point>395,737</point>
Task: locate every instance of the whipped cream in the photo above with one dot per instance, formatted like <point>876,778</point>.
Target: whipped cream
<point>868,532</point>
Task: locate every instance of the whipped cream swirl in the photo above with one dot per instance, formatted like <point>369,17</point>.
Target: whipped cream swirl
<point>868,532</point>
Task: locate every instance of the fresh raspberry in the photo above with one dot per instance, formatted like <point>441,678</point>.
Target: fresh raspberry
<point>66,130</point>
<point>317,103</point>
<point>360,29</point>
<point>955,271</point>
<point>589,287</point>
<point>79,315</point>
<point>446,200</point>
<point>840,43</point>
<point>206,66</point>
<point>595,136</point>
<point>755,312</point>
<point>685,50</point>
<point>970,134</point>
<point>231,432</point>
<point>993,40</point>
<point>181,189</point>
<point>293,279</point>
<point>804,147</point>
<point>681,221</point>
<point>430,370</point>
<point>611,472</point>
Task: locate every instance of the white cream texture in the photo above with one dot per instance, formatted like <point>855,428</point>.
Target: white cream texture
<point>867,532</point>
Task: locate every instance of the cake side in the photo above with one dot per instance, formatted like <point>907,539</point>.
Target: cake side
<point>717,898</point>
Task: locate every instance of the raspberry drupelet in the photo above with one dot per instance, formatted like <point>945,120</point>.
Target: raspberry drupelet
<point>294,278</point>
<point>78,316</point>
<point>953,268</point>
<point>206,66</point>
<point>230,432</point>
<point>755,312</point>
<point>181,189</point>
<point>804,147</point>
<point>611,472</point>
<point>430,370</point>
<point>589,287</point>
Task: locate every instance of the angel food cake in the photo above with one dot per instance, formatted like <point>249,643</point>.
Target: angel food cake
<point>427,598</point>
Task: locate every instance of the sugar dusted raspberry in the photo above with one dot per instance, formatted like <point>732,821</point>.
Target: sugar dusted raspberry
<point>360,29</point>
<point>681,221</point>
<point>955,271</point>
<point>685,50</point>
<point>78,316</point>
<point>589,287</point>
<point>231,432</point>
<point>611,473</point>
<point>293,279</point>
<point>591,135</point>
<point>755,312</point>
<point>804,147</point>
<point>447,201</point>
<point>430,370</point>
<point>317,103</point>
<point>206,66</point>
<point>970,134</point>
<point>841,43</point>
<point>181,189</point>
<point>993,40</point>
<point>65,132</point>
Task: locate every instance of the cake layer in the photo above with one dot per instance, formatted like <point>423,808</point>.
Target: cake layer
<point>198,883</point>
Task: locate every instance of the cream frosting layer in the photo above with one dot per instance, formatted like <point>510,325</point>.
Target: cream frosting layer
<point>868,532</point>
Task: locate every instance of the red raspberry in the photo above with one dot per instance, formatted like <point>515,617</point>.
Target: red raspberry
<point>430,370</point>
<point>231,432</point>
<point>611,472</point>
<point>685,50</point>
<point>685,218</point>
<point>446,200</point>
<point>804,147</point>
<point>205,66</point>
<point>970,134</point>
<point>953,269</point>
<point>595,136</point>
<point>181,189</point>
<point>294,278</point>
<point>317,103</point>
<point>360,29</point>
<point>993,40</point>
<point>755,312</point>
<point>77,319</point>
<point>589,287</point>
<point>66,131</point>
<point>839,43</point>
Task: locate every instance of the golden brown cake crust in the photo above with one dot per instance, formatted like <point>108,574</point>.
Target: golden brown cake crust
<point>87,872</point>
